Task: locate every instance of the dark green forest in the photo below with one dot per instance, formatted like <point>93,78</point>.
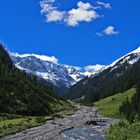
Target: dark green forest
<point>105,84</point>
<point>21,93</point>
<point>131,108</point>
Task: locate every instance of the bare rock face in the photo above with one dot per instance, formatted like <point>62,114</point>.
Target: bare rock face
<point>48,70</point>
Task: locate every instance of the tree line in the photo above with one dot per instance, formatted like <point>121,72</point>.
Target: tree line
<point>131,108</point>
<point>106,83</point>
<point>21,93</point>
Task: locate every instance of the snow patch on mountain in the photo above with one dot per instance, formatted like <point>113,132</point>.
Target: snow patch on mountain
<point>92,69</point>
<point>136,51</point>
<point>129,58</point>
<point>75,72</point>
<point>41,57</point>
<point>79,72</point>
<point>48,68</point>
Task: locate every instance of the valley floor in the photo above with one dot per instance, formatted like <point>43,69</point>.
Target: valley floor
<point>59,128</point>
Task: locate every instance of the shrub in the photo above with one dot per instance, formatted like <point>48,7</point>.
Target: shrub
<point>40,120</point>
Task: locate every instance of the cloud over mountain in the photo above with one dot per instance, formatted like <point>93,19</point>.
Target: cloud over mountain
<point>52,59</point>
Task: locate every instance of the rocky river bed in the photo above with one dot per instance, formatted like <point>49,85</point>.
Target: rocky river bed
<point>69,128</point>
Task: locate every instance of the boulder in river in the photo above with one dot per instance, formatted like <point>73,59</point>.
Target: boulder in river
<point>91,122</point>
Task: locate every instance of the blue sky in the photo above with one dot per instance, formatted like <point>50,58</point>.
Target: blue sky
<point>73,39</point>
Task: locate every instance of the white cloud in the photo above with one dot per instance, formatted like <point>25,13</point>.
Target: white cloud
<point>85,12</point>
<point>109,31</point>
<point>50,11</point>
<point>47,58</point>
<point>105,5</point>
<point>47,6</point>
<point>94,68</point>
<point>55,16</point>
<point>84,6</point>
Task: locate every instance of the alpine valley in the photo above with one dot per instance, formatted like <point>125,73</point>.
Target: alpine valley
<point>117,77</point>
<point>69,70</point>
<point>27,98</point>
<point>62,77</point>
<point>49,71</point>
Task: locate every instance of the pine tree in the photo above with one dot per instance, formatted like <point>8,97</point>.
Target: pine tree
<point>21,93</point>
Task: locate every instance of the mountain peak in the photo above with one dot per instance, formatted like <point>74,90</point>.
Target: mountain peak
<point>137,50</point>
<point>127,57</point>
<point>41,57</point>
<point>49,69</point>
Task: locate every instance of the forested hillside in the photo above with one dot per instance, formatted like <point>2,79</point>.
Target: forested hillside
<point>23,94</point>
<point>106,83</point>
<point>131,108</point>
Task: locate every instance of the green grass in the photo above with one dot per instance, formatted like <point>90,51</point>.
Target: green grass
<point>125,132</point>
<point>11,124</point>
<point>109,107</point>
<point>63,108</point>
<point>61,105</point>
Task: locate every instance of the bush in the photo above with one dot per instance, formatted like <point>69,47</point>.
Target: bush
<point>57,116</point>
<point>40,119</point>
<point>4,127</point>
<point>113,99</point>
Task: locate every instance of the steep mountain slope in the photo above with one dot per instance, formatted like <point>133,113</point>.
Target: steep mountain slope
<point>117,77</point>
<point>23,94</point>
<point>47,69</point>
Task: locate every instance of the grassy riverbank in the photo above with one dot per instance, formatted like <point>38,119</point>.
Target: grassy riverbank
<point>11,124</point>
<point>18,123</point>
<point>109,107</point>
<point>125,131</point>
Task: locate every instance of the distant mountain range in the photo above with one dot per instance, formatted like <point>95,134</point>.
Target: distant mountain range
<point>121,75</point>
<point>62,77</point>
<point>49,70</point>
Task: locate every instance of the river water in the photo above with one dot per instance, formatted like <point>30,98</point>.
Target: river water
<point>60,128</point>
<point>85,133</point>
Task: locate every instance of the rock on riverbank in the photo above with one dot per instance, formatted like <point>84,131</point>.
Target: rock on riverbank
<point>53,129</point>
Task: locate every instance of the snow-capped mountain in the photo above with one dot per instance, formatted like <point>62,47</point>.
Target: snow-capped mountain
<point>75,72</point>
<point>44,68</point>
<point>48,69</point>
<point>107,77</point>
<point>128,60</point>
<point>93,69</point>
